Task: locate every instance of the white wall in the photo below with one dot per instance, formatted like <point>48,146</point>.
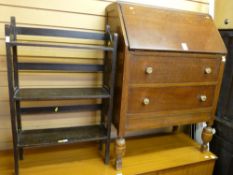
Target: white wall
<point>190,5</point>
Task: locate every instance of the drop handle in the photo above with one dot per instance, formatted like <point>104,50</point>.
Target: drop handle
<point>146,101</point>
<point>149,70</point>
<point>203,98</point>
<point>208,70</point>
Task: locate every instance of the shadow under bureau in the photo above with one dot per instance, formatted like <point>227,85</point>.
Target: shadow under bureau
<point>169,70</point>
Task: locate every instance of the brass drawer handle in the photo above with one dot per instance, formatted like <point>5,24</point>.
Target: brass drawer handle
<point>149,70</point>
<point>208,70</point>
<point>146,101</point>
<point>203,98</point>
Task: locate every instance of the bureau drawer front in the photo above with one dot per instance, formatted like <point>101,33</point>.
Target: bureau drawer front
<point>157,69</point>
<point>154,120</point>
<point>155,99</point>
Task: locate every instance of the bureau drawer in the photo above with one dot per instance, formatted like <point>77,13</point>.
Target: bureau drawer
<point>159,120</point>
<point>158,69</point>
<point>156,99</point>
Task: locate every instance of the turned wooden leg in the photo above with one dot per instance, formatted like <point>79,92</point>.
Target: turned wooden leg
<point>207,135</point>
<point>120,148</point>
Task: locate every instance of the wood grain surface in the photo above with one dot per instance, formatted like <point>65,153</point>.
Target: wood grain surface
<point>190,32</point>
<point>166,155</point>
<point>171,64</point>
<point>172,69</point>
<point>169,98</point>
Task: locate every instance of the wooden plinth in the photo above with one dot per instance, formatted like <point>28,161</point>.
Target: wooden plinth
<point>174,154</point>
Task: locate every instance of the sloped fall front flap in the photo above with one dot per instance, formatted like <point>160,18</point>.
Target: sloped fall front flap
<point>162,29</point>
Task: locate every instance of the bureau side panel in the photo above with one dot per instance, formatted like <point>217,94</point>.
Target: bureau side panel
<point>115,21</point>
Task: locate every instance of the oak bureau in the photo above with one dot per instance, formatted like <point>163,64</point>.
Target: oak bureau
<point>169,70</point>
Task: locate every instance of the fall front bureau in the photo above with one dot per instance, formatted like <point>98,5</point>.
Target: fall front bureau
<point>169,70</point>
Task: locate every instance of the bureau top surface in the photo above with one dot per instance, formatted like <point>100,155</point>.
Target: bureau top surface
<point>162,29</point>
